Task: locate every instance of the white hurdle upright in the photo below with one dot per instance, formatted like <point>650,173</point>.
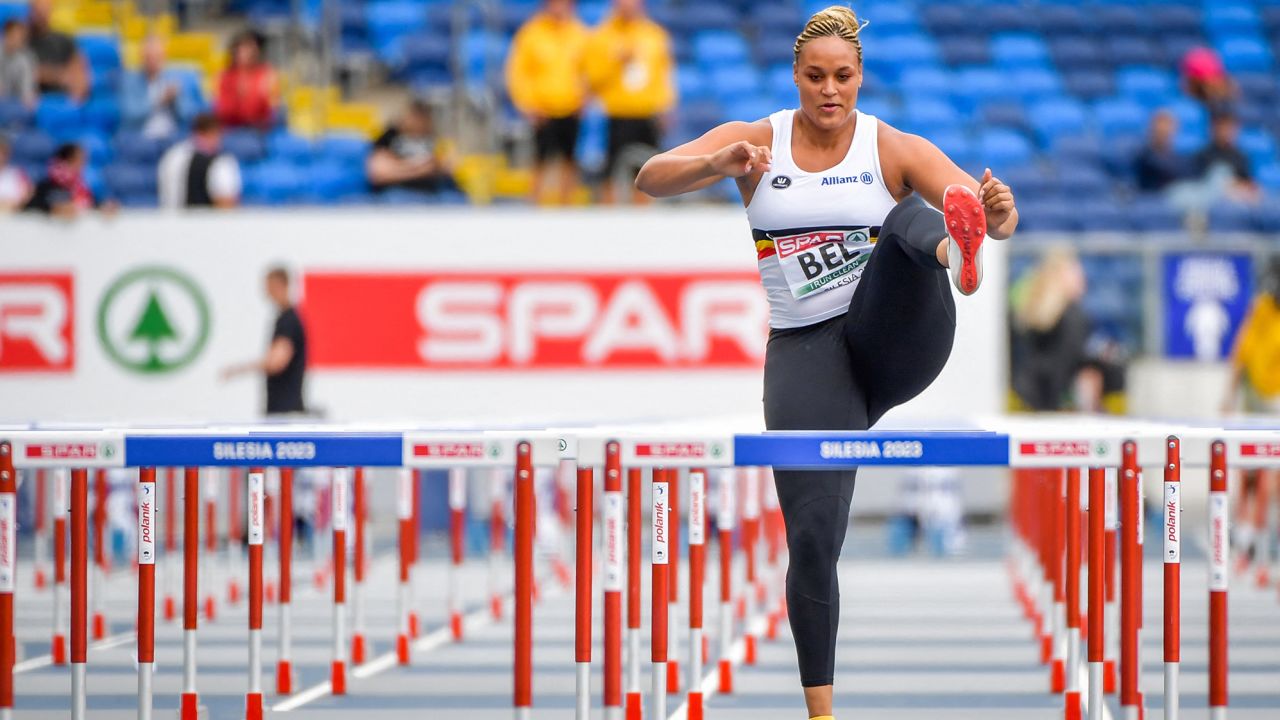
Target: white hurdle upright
<point>338,521</point>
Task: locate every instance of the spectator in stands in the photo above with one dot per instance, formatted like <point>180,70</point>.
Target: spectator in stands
<point>63,193</point>
<point>1222,164</point>
<point>1255,357</point>
<point>248,88</point>
<point>15,188</point>
<point>1051,334</point>
<point>411,156</point>
<point>629,64</point>
<point>196,173</point>
<point>60,66</point>
<point>17,65</point>
<point>1205,78</point>
<point>546,82</point>
<point>154,101</point>
<point>1158,165</point>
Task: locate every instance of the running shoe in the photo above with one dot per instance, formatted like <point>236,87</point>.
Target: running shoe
<point>966,228</point>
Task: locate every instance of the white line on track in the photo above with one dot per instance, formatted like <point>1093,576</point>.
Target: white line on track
<point>104,644</point>
<point>443,636</point>
<point>710,681</point>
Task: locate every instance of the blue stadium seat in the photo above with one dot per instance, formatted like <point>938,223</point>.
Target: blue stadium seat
<point>1121,115</point>
<point>729,82</point>
<point>780,84</point>
<point>1056,117</point>
<point>515,14</point>
<point>1001,147</point>
<point>776,18</point>
<point>1009,19</point>
<point>1258,144</point>
<point>126,181</point>
<point>1063,20</point>
<point>774,47</point>
<point>273,183</point>
<point>1148,85</point>
<point>699,115</point>
<point>1244,53</point>
<point>1077,180</point>
<point>1223,18</point>
<point>1257,87</point>
<point>95,147</point>
<point>926,81</point>
<point>386,20</point>
<point>1019,50</point>
<point>953,141</point>
<point>690,82</point>
<point>136,148</point>
<point>1152,213</point>
<point>1028,183</point>
<point>927,115</point>
<point>889,55</point>
<point>702,17</point>
<point>945,19</point>
<point>1100,213</point>
<point>1227,217</point>
<point>59,116</point>
<point>1088,84</point>
<point>1007,114</point>
<point>424,51</point>
<point>976,86</point>
<point>329,182</point>
<point>1175,48</point>
<point>482,50</point>
<point>1034,83</point>
<point>101,51</point>
<point>13,114</point>
<point>890,18</point>
<point>103,114</point>
<point>964,50</point>
<point>1173,19</point>
<point>1117,20</point>
<point>1083,148</point>
<point>12,11</point>
<point>1269,176</point>
<point>715,47</point>
<point>1133,50</point>
<point>245,145</point>
<point>1047,216</point>
<point>347,150</point>
<point>880,107</point>
<point>1266,218</point>
<point>287,147</point>
<point>1078,52</point>
<point>1191,115</point>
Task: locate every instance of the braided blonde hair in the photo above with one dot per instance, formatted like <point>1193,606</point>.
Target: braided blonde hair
<point>835,21</point>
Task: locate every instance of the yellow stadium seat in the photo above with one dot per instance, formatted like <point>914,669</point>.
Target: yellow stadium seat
<point>193,47</point>
<point>354,117</point>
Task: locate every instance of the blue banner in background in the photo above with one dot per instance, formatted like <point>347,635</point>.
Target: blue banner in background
<point>1206,296</point>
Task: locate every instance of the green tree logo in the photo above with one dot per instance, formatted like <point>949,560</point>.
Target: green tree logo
<point>153,320</point>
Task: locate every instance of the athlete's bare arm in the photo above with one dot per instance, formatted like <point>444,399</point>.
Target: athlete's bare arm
<point>737,149</point>
<point>911,163</point>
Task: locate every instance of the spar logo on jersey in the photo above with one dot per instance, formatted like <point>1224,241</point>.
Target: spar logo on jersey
<point>37,322</point>
<point>792,244</point>
<point>781,182</point>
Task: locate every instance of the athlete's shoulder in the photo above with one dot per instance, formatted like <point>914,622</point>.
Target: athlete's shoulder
<point>756,132</point>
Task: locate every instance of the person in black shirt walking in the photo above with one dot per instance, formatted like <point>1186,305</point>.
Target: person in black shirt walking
<point>285,364</point>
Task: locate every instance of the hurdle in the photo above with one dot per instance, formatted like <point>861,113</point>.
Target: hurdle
<point>284,659</point>
<point>1064,455</point>
<point>58,651</point>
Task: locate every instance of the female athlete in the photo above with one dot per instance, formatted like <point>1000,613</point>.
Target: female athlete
<point>854,262</point>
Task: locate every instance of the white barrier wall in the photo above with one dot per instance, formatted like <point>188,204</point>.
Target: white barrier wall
<point>491,314</point>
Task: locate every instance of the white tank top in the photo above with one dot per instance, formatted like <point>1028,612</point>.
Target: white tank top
<point>814,231</point>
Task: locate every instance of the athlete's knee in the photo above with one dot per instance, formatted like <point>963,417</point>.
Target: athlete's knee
<point>815,532</point>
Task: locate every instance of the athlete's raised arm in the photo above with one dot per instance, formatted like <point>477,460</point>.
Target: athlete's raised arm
<point>927,170</point>
<point>734,149</point>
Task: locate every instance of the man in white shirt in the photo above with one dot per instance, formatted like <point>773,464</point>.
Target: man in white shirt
<point>196,173</point>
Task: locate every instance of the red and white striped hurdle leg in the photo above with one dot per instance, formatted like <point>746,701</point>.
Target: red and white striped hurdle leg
<point>697,571</point>
<point>1171,511</point>
<point>338,521</point>
<point>98,593</point>
<point>1098,499</point>
<point>750,539</point>
<point>613,574</point>
<point>40,535</point>
<point>210,540</point>
<point>1130,583</point>
<point>1219,552</point>
<point>582,596</point>
<point>8,575</point>
<point>457,525</point>
<point>59,645</point>
<point>1057,571</point>
<point>523,556</point>
<point>724,523</point>
<point>497,538</point>
<point>358,642</point>
<point>235,549</point>
<point>169,521</point>
<point>79,586</point>
<point>147,500</point>
<point>673,584</point>
<point>1111,583</point>
<point>635,701</point>
<point>660,493</point>
<point>284,656</point>
<point>404,593</point>
<point>1072,698</point>
<point>189,704</point>
<point>256,511</point>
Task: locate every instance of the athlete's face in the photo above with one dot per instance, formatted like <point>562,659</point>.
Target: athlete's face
<point>828,75</point>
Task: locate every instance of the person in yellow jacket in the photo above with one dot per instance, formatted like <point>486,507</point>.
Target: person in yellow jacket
<point>1255,368</point>
<point>545,81</point>
<point>629,65</point>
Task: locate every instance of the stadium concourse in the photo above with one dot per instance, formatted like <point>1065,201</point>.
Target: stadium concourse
<point>996,634</point>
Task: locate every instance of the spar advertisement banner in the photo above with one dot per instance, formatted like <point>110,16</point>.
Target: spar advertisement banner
<point>424,316</point>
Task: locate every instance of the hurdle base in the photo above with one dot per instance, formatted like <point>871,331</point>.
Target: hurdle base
<point>695,706</point>
<point>358,648</point>
<point>58,650</point>
<point>189,708</point>
<point>726,678</point>
<point>99,626</point>
<point>286,679</point>
<point>635,706</point>
<point>1072,706</point>
<point>402,649</point>
<point>338,677</point>
<point>253,709</point>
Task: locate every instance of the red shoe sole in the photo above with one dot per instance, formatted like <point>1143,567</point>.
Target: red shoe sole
<point>967,225</point>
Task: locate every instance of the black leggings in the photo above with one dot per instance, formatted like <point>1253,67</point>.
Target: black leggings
<point>844,374</point>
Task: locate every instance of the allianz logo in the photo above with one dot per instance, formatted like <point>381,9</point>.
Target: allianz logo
<point>865,178</point>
